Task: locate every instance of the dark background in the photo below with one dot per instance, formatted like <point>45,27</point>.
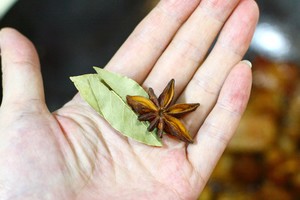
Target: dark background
<point>71,36</point>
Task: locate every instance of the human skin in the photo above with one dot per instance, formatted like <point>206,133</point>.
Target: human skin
<point>74,154</point>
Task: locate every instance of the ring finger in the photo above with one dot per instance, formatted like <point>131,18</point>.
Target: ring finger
<point>228,51</point>
<point>190,45</point>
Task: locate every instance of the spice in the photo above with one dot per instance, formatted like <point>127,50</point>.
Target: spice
<point>161,113</point>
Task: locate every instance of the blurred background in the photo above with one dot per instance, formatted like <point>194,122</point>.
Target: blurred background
<point>263,158</point>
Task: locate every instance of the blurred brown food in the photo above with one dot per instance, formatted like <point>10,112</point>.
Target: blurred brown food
<point>263,159</point>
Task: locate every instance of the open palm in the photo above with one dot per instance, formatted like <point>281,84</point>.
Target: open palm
<point>73,153</point>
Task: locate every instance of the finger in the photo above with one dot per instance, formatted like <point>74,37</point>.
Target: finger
<point>144,46</point>
<point>222,122</point>
<point>190,45</point>
<point>230,47</point>
<point>22,80</point>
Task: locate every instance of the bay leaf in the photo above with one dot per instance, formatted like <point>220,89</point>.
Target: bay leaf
<point>111,103</point>
<point>83,86</point>
<point>122,85</point>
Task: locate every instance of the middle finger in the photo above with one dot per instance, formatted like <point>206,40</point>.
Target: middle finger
<point>190,45</point>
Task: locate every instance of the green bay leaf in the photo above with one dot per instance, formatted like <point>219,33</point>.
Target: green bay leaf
<point>83,86</point>
<point>99,91</point>
<point>122,85</point>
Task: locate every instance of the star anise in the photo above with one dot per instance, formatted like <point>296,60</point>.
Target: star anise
<point>161,113</point>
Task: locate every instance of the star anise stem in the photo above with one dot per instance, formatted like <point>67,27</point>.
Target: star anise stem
<point>161,113</point>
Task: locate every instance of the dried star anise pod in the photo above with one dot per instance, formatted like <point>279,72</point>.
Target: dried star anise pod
<point>161,113</point>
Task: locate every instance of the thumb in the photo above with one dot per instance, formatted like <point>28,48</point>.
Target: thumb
<point>22,79</point>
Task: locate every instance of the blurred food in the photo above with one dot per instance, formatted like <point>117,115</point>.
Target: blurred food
<point>256,133</point>
<point>292,122</point>
<point>263,159</point>
<point>271,191</point>
<point>273,87</point>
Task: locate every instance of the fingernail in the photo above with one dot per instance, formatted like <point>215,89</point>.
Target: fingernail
<point>247,62</point>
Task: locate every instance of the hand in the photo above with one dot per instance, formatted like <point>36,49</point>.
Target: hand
<point>74,154</point>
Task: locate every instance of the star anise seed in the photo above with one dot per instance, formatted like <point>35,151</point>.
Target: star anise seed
<point>161,113</point>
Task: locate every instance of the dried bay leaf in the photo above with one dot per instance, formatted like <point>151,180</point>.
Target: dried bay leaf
<point>106,93</point>
<point>122,85</point>
<point>83,86</point>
